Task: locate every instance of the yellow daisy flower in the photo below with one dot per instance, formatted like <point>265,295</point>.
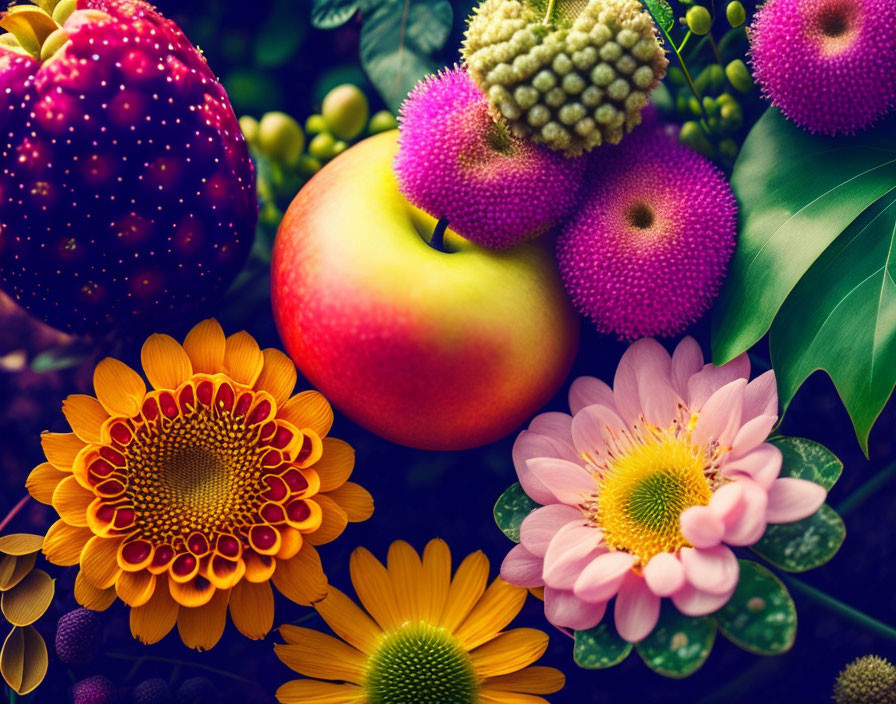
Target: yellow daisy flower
<point>425,638</point>
<point>190,498</point>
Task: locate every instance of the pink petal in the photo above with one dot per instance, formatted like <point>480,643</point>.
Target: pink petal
<point>711,378</point>
<point>540,526</point>
<point>701,526</point>
<point>750,526</point>
<point>640,356</point>
<point>714,570</point>
<point>762,465</point>
<point>761,396</point>
<point>637,609</point>
<point>600,580</point>
<point>527,446</point>
<point>569,553</point>
<point>664,574</point>
<point>687,360</point>
<point>752,434</point>
<point>564,610</point>
<point>727,502</point>
<point>554,425</point>
<point>522,568</point>
<point>659,400</point>
<point>791,499</point>
<point>586,391</point>
<point>693,602</point>
<point>592,427</point>
<point>568,481</point>
<point>719,418</point>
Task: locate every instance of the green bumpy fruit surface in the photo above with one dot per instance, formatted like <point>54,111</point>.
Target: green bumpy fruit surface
<point>573,78</point>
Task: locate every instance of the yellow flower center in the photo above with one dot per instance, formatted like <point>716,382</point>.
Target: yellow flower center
<point>645,489</point>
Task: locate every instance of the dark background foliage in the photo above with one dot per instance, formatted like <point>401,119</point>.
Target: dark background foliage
<point>270,57</point>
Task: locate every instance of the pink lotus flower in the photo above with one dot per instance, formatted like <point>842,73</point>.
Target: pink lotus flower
<point>646,485</point>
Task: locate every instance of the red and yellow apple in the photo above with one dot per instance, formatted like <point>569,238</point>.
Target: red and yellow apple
<point>433,349</point>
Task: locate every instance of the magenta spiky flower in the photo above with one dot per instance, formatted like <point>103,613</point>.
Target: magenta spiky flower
<point>456,162</point>
<point>647,250</point>
<point>827,64</point>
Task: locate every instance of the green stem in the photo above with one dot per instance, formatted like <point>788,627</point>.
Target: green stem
<point>848,612</point>
<point>684,41</point>
<point>866,490</point>
<point>175,661</point>
<point>715,49</point>
<point>549,15</point>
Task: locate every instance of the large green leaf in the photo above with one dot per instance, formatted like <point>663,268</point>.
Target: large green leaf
<point>599,647</point>
<point>841,317</point>
<point>679,644</point>
<point>797,193</point>
<point>510,510</point>
<point>803,545</point>
<point>760,616</point>
<point>329,14</point>
<point>806,459</point>
<point>398,39</point>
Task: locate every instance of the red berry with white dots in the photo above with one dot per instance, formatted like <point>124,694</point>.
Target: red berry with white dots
<point>126,188</point>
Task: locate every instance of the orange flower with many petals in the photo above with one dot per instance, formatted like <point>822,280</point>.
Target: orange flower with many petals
<point>190,498</point>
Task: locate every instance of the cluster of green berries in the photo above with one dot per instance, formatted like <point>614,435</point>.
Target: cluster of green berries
<point>572,79</point>
<point>867,680</point>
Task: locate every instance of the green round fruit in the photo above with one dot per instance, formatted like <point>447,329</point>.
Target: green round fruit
<point>736,14</point>
<point>322,147</point>
<point>383,121</point>
<point>249,126</point>
<point>345,110</point>
<point>739,76</point>
<point>315,124</point>
<point>339,147</point>
<point>699,20</point>
<point>281,137</point>
<point>692,135</point>
<point>308,165</point>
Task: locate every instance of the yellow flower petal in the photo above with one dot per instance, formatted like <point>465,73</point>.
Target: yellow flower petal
<point>165,362</point>
<point>316,692</point>
<point>23,660</point>
<point>63,543</point>
<point>336,464</point>
<point>29,599</point>
<point>374,588</point>
<point>492,696</point>
<point>201,628</point>
<point>135,588</point>
<point>193,593</point>
<point>71,501</point>
<point>333,521</point>
<point>243,359</point>
<point>348,621</point>
<point>92,598</point>
<point>355,500</point>
<point>302,578</point>
<point>14,568</point>
<point>21,543</point>
<point>466,588</point>
<point>318,655</point>
<point>252,609</point>
<point>405,570</point>
<point>436,580</point>
<point>509,652</point>
<point>61,448</point>
<point>204,345</point>
<point>85,415</point>
<point>99,563</point>
<point>532,680</point>
<point>42,482</point>
<point>278,375</point>
<point>309,409</point>
<point>118,387</point>
<point>155,619</point>
<point>498,607</point>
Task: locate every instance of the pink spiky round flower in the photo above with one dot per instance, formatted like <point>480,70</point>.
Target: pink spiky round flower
<point>647,250</point>
<point>455,162</point>
<point>827,64</point>
<point>646,485</point>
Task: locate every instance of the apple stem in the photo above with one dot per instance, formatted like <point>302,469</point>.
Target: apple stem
<point>437,241</point>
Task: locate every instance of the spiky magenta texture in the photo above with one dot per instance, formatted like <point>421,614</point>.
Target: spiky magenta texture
<point>646,252</point>
<point>126,189</point>
<point>454,161</point>
<point>827,64</point>
<point>78,637</point>
<point>95,690</point>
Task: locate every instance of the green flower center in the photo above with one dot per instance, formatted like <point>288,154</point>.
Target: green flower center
<point>657,502</point>
<point>420,664</point>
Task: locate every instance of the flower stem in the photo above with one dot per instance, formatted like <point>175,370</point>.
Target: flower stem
<point>848,612</point>
<point>15,509</point>
<point>549,15</point>
<point>437,241</point>
<point>715,49</point>
<point>866,490</point>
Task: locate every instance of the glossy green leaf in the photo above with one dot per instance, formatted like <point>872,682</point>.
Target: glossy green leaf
<point>599,647</point>
<point>760,616</point>
<point>679,644</point>
<point>329,14</point>
<point>662,13</point>
<point>797,193</point>
<point>806,459</point>
<point>803,545</point>
<point>841,317</point>
<point>510,510</point>
<point>398,39</point>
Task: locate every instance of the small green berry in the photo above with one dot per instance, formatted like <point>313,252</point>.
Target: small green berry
<point>346,110</point>
<point>383,121</point>
<point>339,147</point>
<point>699,20</point>
<point>280,137</point>
<point>249,126</point>
<point>736,14</point>
<point>692,135</point>
<point>323,146</point>
<point>676,75</point>
<point>732,116</point>
<point>710,105</point>
<point>728,148</point>
<point>716,77</point>
<point>694,106</point>
<point>315,124</point>
<point>739,76</point>
<point>308,165</point>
